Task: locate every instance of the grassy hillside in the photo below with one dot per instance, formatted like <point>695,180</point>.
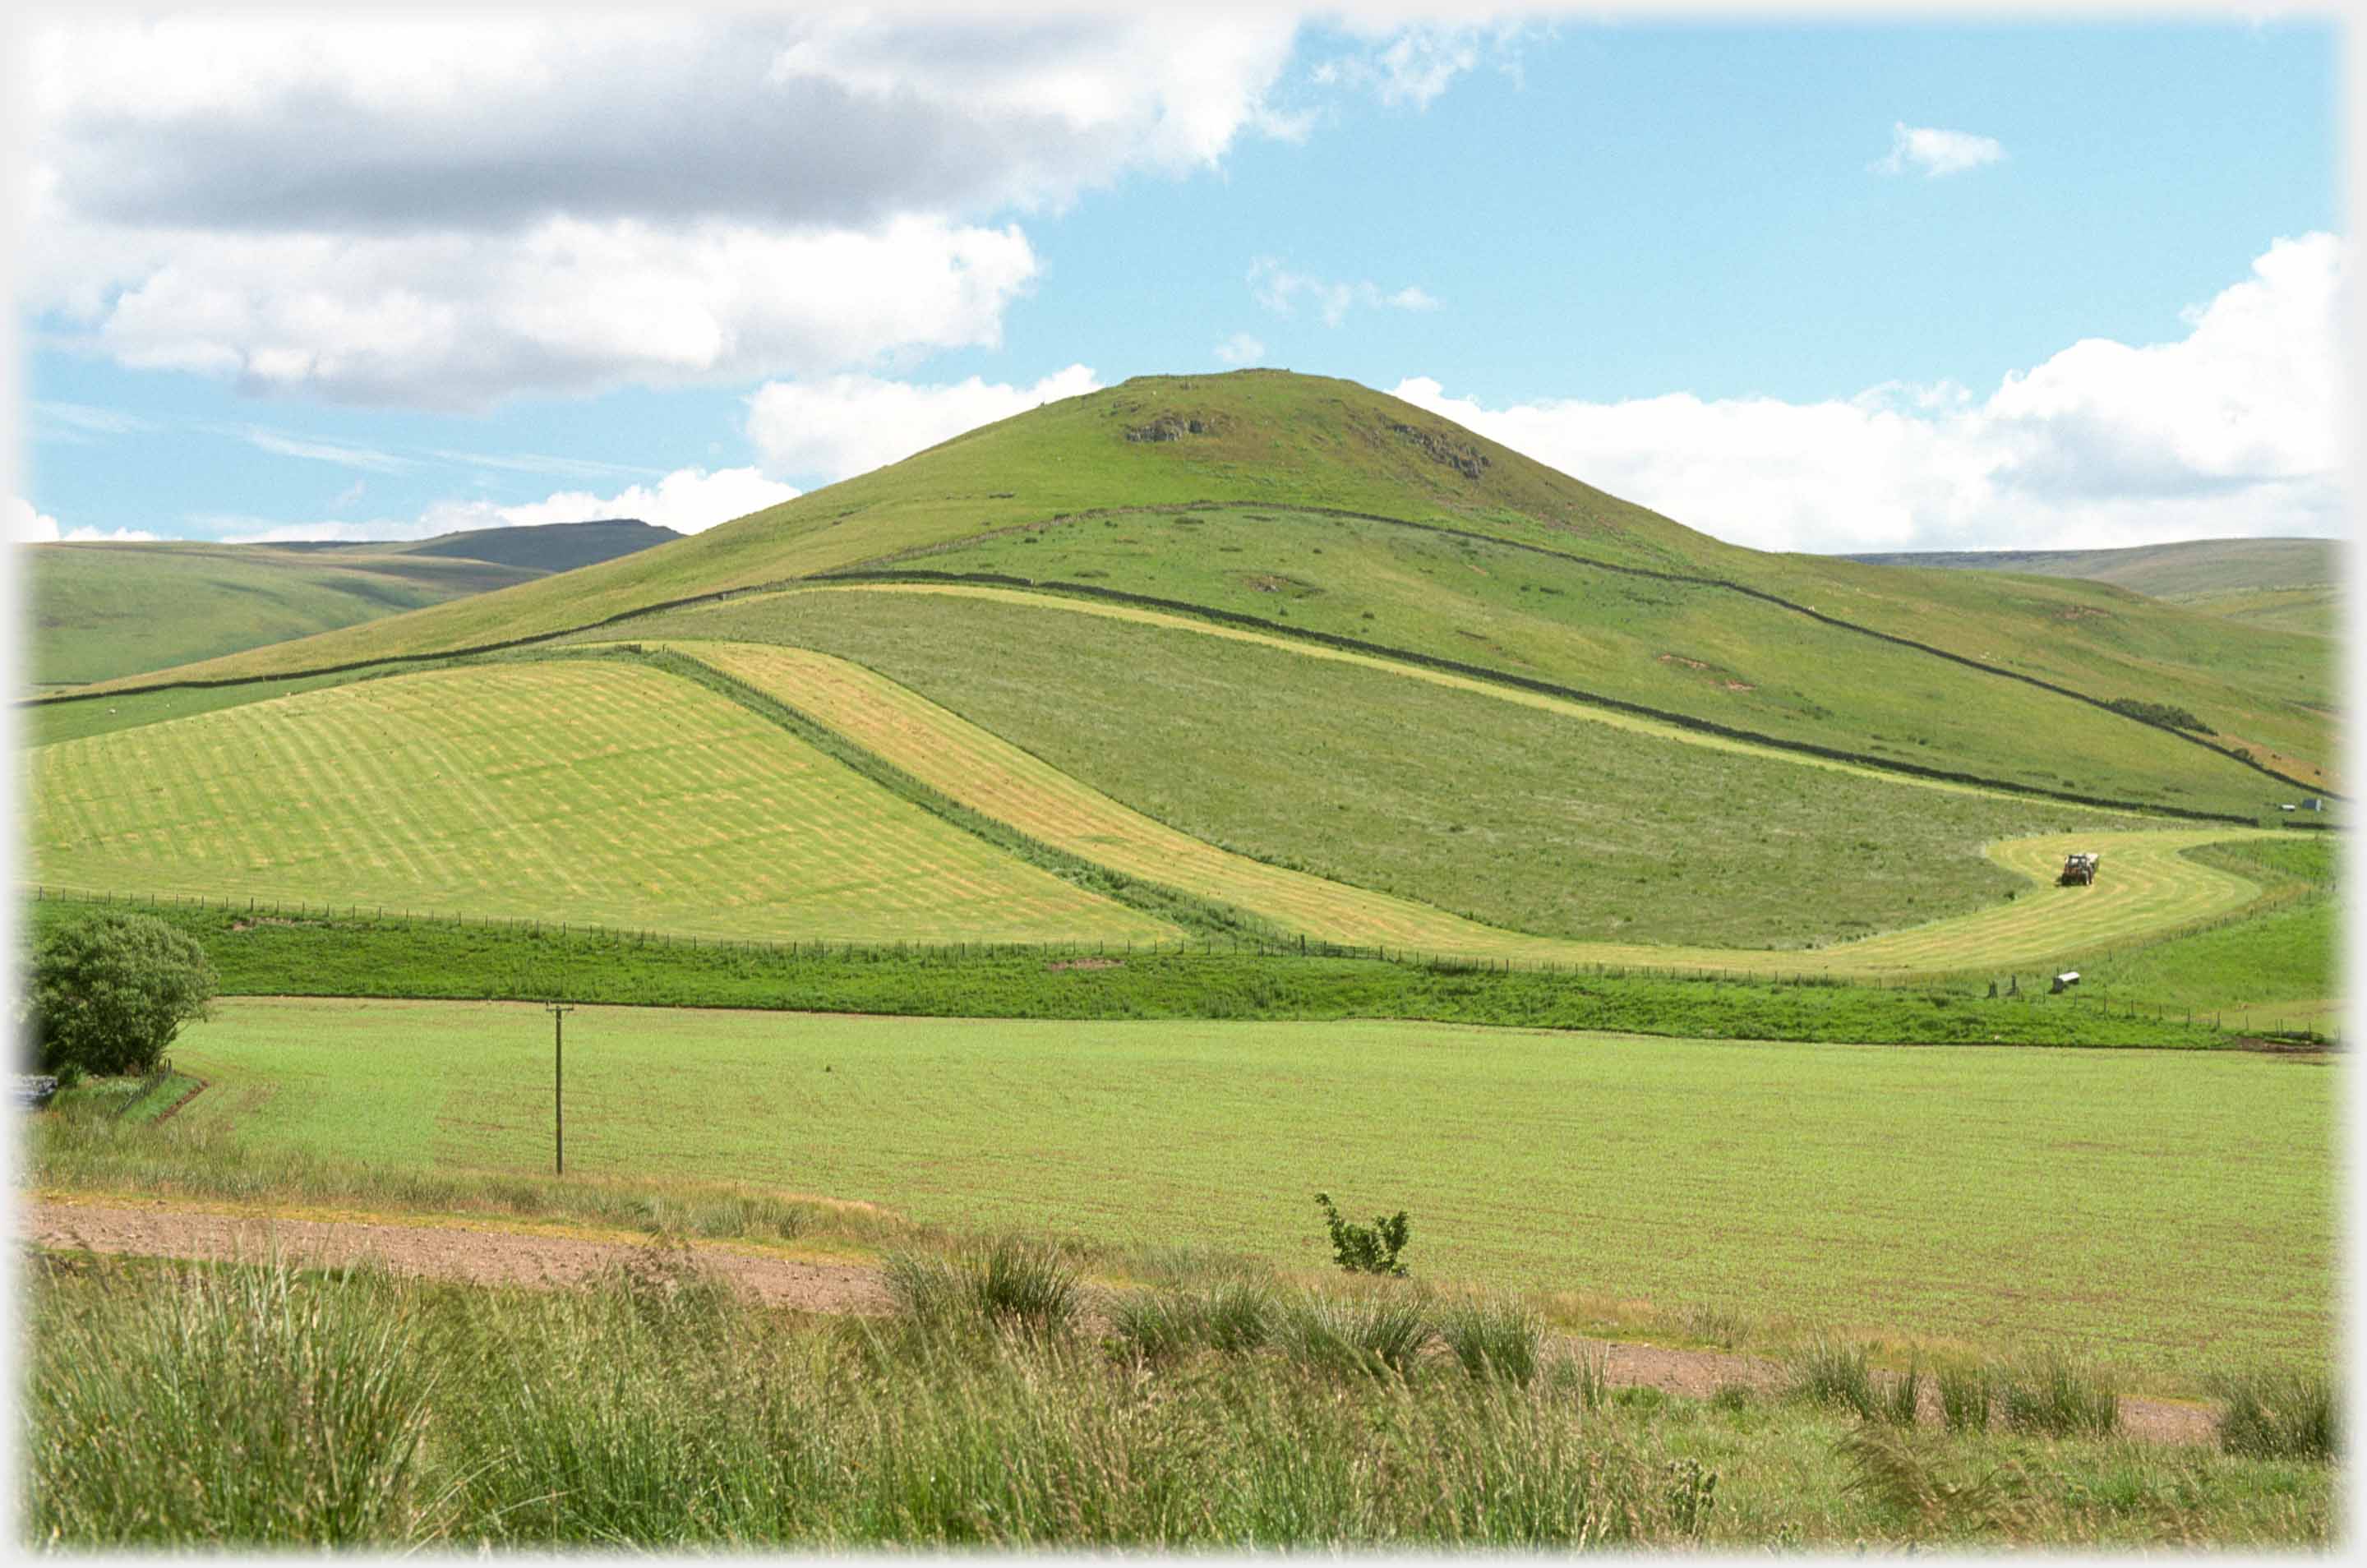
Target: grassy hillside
<point>549,546</point>
<point>2289,584</point>
<point>105,611</point>
<point>586,792</point>
<point>1279,445</point>
<point>1528,818</point>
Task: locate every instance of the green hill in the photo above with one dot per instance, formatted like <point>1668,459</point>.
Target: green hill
<point>2290,584</point>
<point>105,611</point>
<point>1291,657</point>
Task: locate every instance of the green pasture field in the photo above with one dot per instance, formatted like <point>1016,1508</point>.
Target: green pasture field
<point>1528,821</point>
<point>1689,648</point>
<point>1290,442</point>
<point>325,955</point>
<point>2150,1210</point>
<point>102,611</point>
<point>583,791</point>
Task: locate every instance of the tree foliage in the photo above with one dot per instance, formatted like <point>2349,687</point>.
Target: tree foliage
<point>111,992</point>
<point>1367,1249</point>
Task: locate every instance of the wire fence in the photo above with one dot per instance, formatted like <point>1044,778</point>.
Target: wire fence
<point>2020,985</point>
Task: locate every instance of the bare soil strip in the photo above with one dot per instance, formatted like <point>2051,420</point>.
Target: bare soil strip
<point>514,1258</point>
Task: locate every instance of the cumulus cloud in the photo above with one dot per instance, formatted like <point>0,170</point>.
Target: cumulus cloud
<point>1936,152</point>
<point>21,524</point>
<point>843,425</point>
<point>1281,290</point>
<point>2233,429</point>
<point>1239,349</point>
<point>688,501</point>
<point>443,212</point>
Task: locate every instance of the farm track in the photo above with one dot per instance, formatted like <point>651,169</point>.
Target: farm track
<point>2149,886</point>
<point>488,1255</point>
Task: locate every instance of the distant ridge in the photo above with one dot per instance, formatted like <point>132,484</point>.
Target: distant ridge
<point>550,547</point>
<point>110,609</point>
<point>2292,583</point>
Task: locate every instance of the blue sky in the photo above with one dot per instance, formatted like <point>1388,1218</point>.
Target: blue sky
<point>1675,258</point>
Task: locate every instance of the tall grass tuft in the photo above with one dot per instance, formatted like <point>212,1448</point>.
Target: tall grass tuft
<point>1833,1373</point>
<point>1378,1334</point>
<point>2279,1415</point>
<point>1011,1283</point>
<point>1904,1400</point>
<point>1493,1338</point>
<point>247,1404</point>
<point>1967,1393</point>
<point>2048,1393</point>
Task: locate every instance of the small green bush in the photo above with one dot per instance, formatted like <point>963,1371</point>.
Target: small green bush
<point>1367,1249</point>
<point>110,991</point>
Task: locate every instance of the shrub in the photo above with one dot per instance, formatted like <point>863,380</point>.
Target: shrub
<point>111,992</point>
<point>2279,1415</point>
<point>1367,1249</point>
<point>2158,713</point>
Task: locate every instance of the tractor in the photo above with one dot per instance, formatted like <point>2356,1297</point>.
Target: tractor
<point>2079,870</point>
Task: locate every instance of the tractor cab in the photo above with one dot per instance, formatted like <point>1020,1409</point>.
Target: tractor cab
<point>2079,870</point>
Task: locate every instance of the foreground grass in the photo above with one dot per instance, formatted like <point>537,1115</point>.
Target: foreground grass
<point>260,1405</point>
<point>1975,1193</point>
<point>364,955</point>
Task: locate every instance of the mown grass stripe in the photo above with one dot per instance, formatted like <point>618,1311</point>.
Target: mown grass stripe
<point>2150,885</point>
<point>584,790</point>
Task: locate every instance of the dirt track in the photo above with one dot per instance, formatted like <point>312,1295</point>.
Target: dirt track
<point>516,1258</point>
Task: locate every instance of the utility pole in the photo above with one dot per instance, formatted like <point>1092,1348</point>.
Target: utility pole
<point>558,1087</point>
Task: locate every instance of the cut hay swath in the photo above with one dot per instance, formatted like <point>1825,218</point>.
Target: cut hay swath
<point>2149,886</point>
<point>597,792</point>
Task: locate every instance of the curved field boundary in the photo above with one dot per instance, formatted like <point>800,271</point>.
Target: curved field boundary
<point>1523,693</point>
<point>620,795</point>
<point>1051,591</point>
<point>1693,579</point>
<point>2148,884</point>
<point>859,571</point>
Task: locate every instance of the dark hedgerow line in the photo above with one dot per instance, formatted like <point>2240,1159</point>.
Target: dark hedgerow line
<point>1056,587</point>
<point>360,953</point>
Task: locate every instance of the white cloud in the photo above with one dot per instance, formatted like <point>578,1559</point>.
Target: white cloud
<point>850,424</point>
<point>346,497</point>
<point>444,211</point>
<point>2234,429</point>
<point>1936,152</point>
<point>1411,63</point>
<point>1239,349</point>
<point>345,454</point>
<point>21,524</point>
<point>1281,291</point>
<point>688,501</point>
<point>452,321</point>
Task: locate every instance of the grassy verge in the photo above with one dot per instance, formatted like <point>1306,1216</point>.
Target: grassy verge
<point>263,1405</point>
<point>364,956</point>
